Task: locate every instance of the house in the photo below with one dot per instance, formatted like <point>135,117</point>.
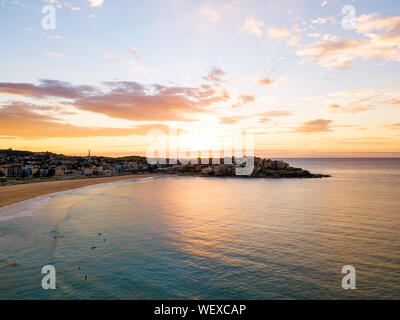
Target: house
<point>59,171</point>
<point>15,170</point>
<point>28,171</point>
<point>4,171</point>
<point>97,171</point>
<point>87,171</point>
<point>43,172</point>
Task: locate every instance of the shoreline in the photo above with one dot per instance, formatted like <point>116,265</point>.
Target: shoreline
<point>12,194</point>
<point>15,193</point>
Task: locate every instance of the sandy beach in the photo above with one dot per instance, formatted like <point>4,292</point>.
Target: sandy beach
<point>16,193</point>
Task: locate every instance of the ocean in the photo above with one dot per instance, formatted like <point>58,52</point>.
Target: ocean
<point>211,238</point>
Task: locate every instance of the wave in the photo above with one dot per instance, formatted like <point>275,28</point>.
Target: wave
<point>23,208</point>
<point>30,206</point>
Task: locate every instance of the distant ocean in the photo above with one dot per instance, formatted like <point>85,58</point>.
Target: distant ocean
<point>212,238</point>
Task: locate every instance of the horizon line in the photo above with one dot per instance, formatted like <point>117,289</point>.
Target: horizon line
<point>276,154</point>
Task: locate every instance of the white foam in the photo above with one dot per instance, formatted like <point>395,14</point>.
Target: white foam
<point>23,208</point>
<point>30,206</point>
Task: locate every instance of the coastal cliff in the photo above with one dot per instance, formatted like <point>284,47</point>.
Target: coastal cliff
<point>262,168</point>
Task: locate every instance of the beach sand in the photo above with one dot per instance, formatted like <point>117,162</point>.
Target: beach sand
<point>16,193</point>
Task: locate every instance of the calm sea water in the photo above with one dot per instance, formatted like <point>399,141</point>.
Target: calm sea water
<point>211,238</point>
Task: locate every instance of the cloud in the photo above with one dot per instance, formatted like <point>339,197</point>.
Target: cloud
<point>314,126</point>
<point>246,98</point>
<point>320,20</point>
<point>276,113</point>
<point>394,126</point>
<point>264,81</point>
<point>135,53</point>
<point>215,74</point>
<point>53,2</point>
<point>71,7</point>
<point>231,120</point>
<point>47,88</point>
<point>210,13</point>
<point>393,101</point>
<point>278,32</point>
<point>115,59</point>
<point>125,99</point>
<point>253,26</point>
<point>294,41</point>
<point>96,3</point>
<point>134,64</point>
<point>264,117</point>
<point>264,120</point>
<point>324,3</point>
<point>371,22</point>
<point>383,45</point>
<point>28,121</point>
<point>57,55</point>
<point>335,108</point>
<point>228,5</point>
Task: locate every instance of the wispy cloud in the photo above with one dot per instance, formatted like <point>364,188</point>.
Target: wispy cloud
<point>278,32</point>
<point>57,55</point>
<point>124,99</point>
<point>253,26</point>
<point>135,53</point>
<point>294,41</point>
<point>96,3</point>
<point>134,64</point>
<point>209,13</point>
<point>373,45</point>
<point>335,108</point>
<point>314,126</point>
<point>264,81</point>
<point>215,74</point>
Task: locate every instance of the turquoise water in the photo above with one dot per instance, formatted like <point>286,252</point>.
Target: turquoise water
<point>211,238</point>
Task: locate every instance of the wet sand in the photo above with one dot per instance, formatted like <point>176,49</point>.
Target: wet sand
<point>15,193</point>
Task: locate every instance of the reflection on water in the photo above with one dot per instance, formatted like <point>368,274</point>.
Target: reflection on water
<point>210,238</point>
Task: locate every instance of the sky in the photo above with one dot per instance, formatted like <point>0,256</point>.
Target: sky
<point>305,78</point>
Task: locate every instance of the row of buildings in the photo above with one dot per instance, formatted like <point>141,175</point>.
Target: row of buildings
<point>14,164</point>
<point>45,164</point>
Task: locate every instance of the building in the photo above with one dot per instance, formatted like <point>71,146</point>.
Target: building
<point>13,170</point>
<point>87,171</point>
<point>28,171</point>
<point>4,171</point>
<point>59,171</point>
<point>97,171</point>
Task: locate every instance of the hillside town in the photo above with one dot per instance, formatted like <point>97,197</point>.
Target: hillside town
<point>24,166</point>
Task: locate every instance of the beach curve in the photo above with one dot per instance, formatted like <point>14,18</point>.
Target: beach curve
<point>13,194</point>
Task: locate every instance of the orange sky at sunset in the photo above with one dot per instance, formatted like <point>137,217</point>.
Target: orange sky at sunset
<point>294,74</point>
